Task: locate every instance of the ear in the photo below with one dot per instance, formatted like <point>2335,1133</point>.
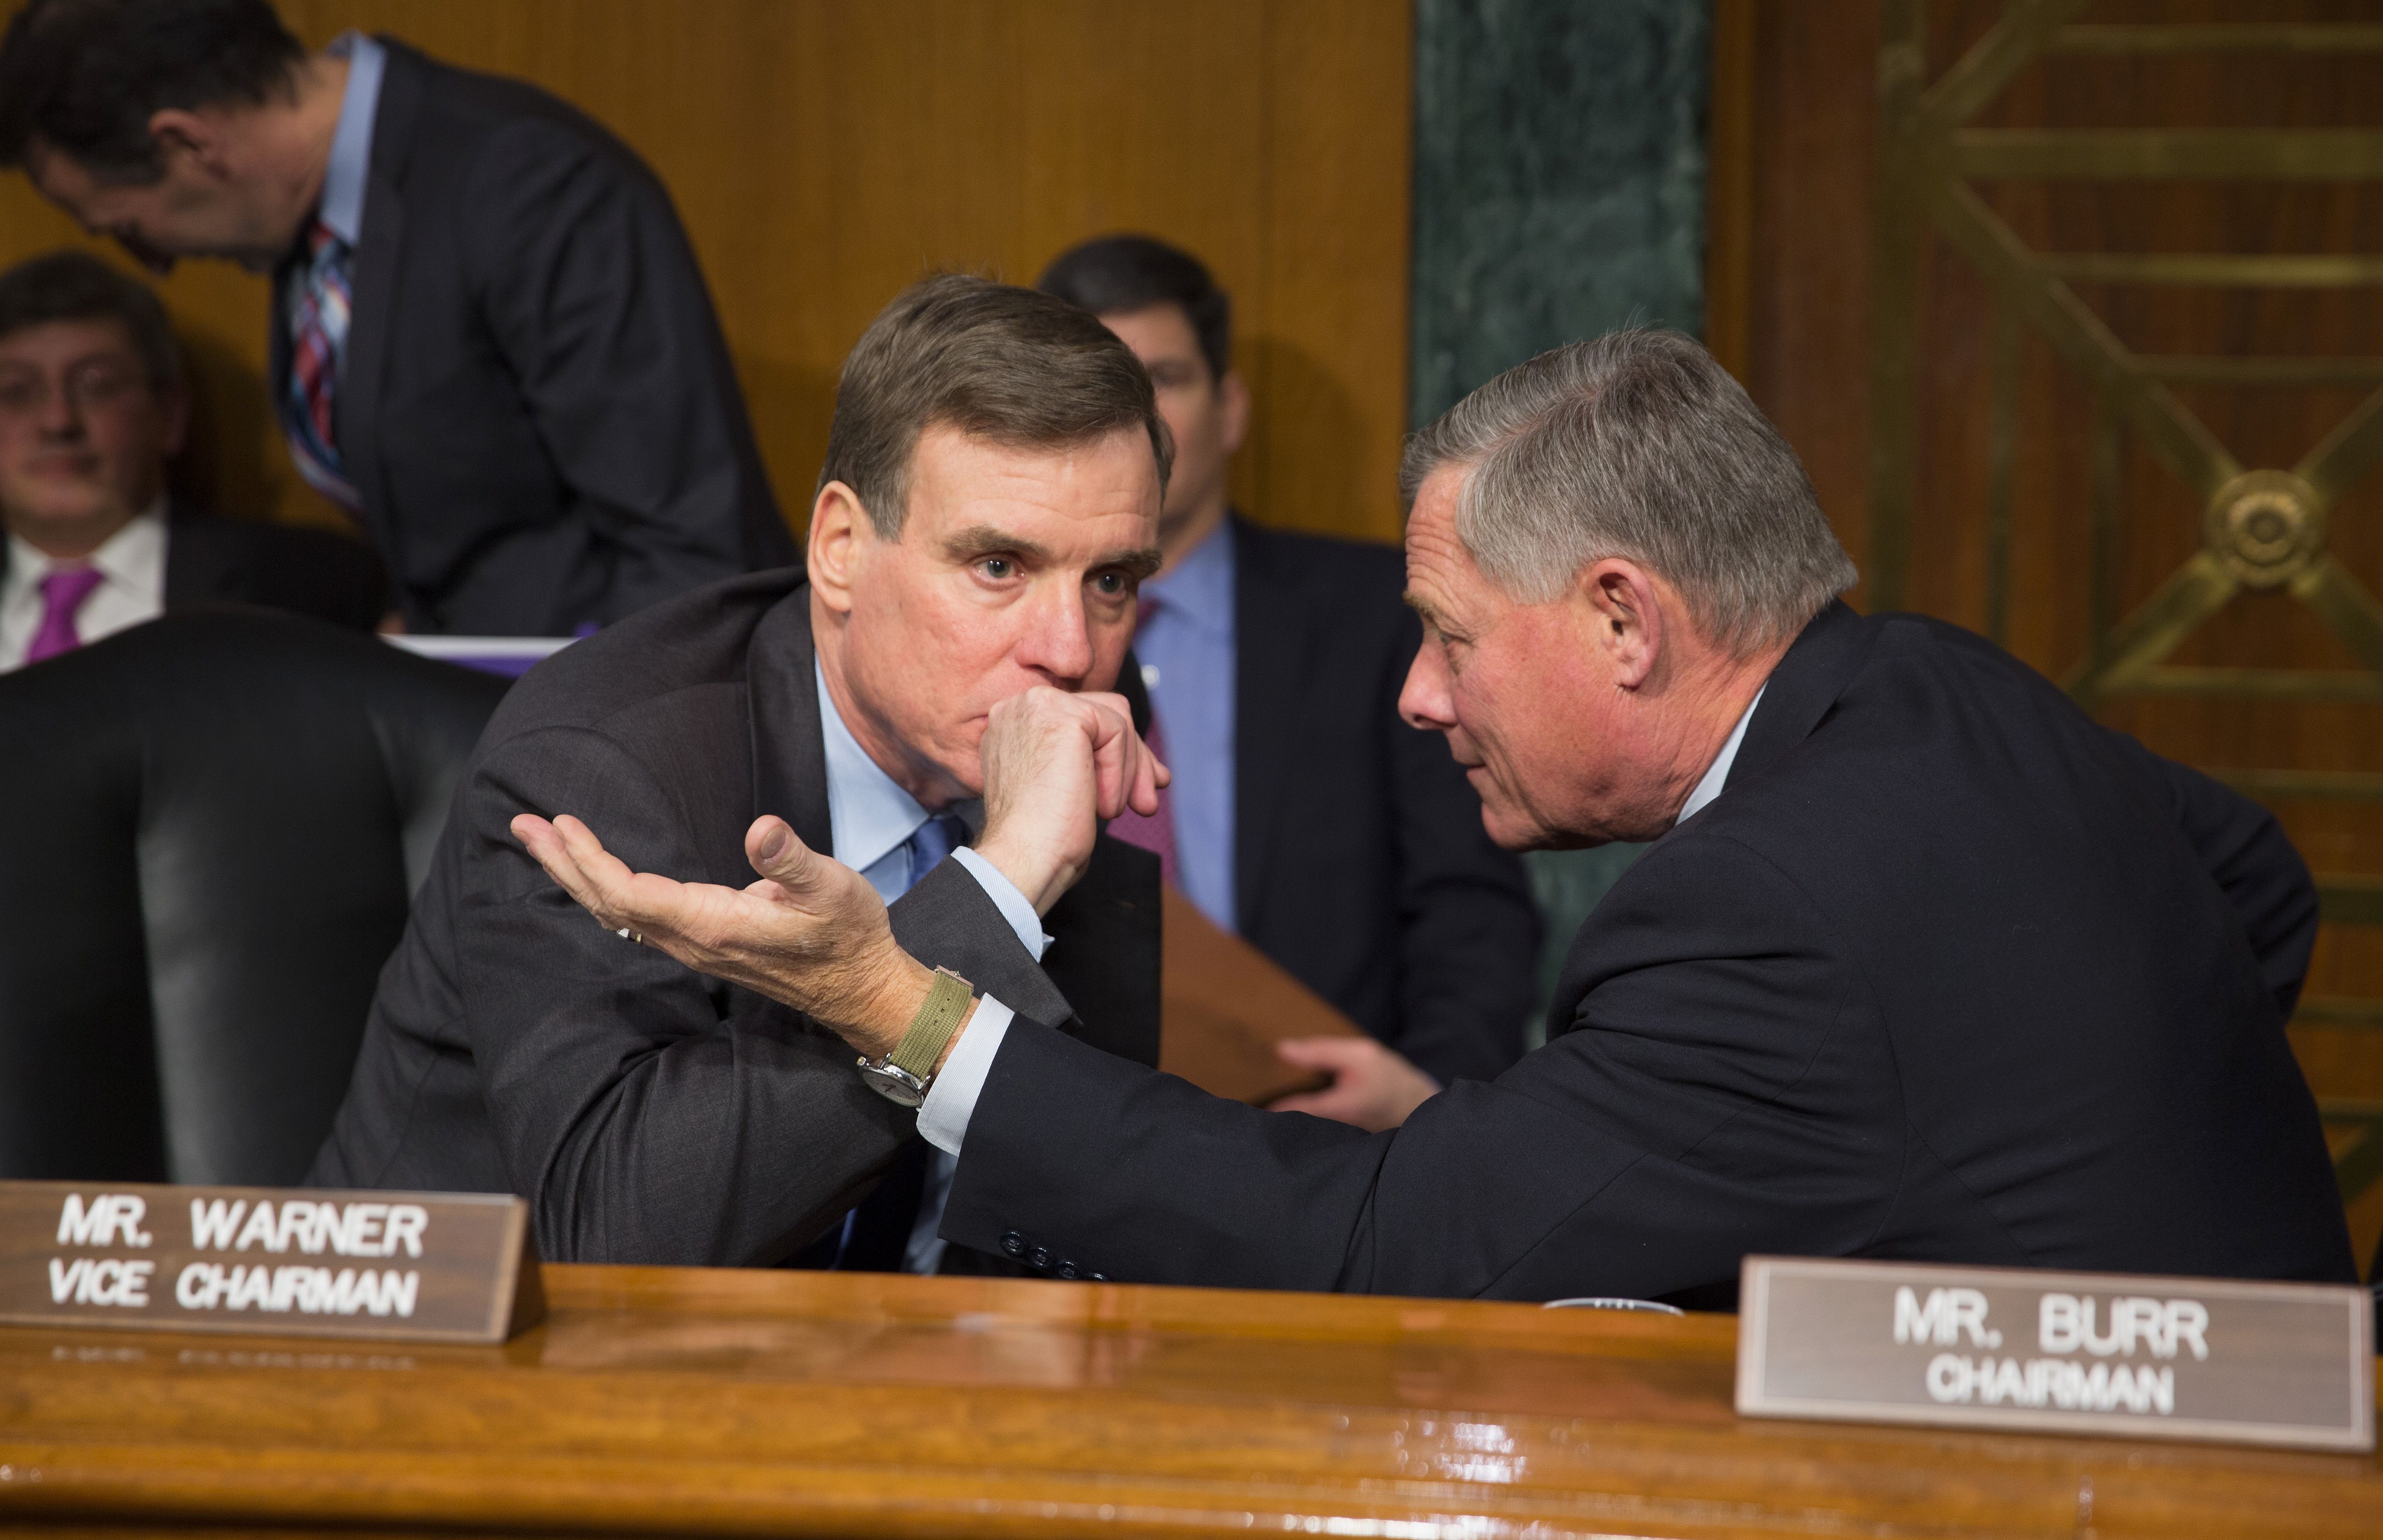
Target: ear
<point>180,134</point>
<point>840,534</point>
<point>1234,395</point>
<point>1627,610</point>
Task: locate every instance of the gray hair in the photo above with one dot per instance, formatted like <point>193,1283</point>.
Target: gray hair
<point>1637,445</point>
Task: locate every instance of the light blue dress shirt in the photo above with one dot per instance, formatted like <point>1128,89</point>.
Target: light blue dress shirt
<point>350,172</point>
<point>1187,653</point>
<point>1716,774</point>
<point>870,820</point>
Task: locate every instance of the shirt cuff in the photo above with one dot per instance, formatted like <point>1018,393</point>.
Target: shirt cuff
<point>951,1101</point>
<point>1009,900</point>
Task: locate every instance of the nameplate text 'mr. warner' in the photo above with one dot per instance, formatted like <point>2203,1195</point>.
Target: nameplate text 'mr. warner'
<point>274,1261</point>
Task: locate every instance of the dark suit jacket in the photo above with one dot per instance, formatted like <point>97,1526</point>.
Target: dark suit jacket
<point>306,572</point>
<point>1949,973</point>
<point>647,1113</point>
<point>1360,863</point>
<point>537,404</point>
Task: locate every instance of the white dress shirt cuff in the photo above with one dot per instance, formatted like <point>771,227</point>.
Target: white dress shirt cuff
<point>1009,900</point>
<point>951,1101</point>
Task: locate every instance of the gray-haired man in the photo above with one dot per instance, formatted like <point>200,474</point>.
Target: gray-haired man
<point>1923,962</point>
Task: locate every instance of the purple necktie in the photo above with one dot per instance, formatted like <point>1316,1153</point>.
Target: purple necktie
<point>1154,833</point>
<point>63,593</point>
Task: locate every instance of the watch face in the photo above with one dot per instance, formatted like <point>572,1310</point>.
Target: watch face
<point>897,1086</point>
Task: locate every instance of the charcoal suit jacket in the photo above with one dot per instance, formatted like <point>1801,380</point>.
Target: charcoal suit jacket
<point>314,573</point>
<point>650,1114</point>
<point>1360,863</point>
<point>1949,972</point>
<point>536,405</point>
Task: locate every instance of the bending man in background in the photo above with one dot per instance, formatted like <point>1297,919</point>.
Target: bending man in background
<point>1923,963</point>
<point>490,341</point>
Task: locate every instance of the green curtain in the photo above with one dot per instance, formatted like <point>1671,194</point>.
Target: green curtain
<point>1559,192</point>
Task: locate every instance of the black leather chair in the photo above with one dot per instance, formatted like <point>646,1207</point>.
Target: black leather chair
<point>210,828</point>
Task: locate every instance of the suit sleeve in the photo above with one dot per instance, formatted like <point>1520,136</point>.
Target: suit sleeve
<point>651,1114</point>
<point>1468,931</point>
<point>2246,853</point>
<point>1705,1104</point>
<point>593,296</point>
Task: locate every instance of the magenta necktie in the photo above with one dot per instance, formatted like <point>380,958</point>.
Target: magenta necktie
<point>1154,833</point>
<point>63,593</point>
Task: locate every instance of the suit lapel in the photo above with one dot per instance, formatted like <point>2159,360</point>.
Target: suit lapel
<point>375,286</point>
<point>1819,665</point>
<point>789,755</point>
<point>1269,624</point>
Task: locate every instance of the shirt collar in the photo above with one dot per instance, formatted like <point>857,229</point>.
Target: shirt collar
<point>134,555</point>
<point>1200,589</point>
<point>1717,773</point>
<point>868,813</point>
<point>342,204</point>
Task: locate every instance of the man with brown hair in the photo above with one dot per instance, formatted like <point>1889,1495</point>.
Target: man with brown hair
<point>988,506</point>
<point>91,408</point>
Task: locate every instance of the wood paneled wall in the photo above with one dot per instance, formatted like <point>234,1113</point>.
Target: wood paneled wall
<point>824,153</point>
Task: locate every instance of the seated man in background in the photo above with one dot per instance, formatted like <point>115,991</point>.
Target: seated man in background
<point>1304,815</point>
<point>91,408</point>
<point>1923,963</point>
<point>989,502</point>
<point>489,338</point>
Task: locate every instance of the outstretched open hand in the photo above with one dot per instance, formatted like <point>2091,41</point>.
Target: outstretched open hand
<point>811,933</point>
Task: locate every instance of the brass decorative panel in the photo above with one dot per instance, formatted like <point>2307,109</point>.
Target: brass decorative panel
<point>2261,529</point>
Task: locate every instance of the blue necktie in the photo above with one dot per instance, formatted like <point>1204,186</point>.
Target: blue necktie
<point>930,843</point>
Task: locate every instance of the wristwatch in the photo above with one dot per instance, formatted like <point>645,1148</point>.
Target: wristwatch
<point>903,1076</point>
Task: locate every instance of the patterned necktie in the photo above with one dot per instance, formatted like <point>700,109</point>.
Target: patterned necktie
<point>63,593</point>
<point>318,338</point>
<point>1155,832</point>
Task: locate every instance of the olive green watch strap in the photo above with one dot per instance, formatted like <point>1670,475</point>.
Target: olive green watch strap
<point>947,1003</point>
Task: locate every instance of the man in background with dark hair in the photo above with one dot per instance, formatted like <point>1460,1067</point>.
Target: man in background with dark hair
<point>490,341</point>
<point>91,408</point>
<point>1304,814</point>
<point>989,501</point>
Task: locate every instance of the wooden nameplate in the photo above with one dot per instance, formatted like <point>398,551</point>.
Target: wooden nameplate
<point>1224,1004</point>
<point>2015,1347</point>
<point>269,1261</point>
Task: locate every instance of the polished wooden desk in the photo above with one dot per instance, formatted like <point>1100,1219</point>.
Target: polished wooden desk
<point>727,1402</point>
